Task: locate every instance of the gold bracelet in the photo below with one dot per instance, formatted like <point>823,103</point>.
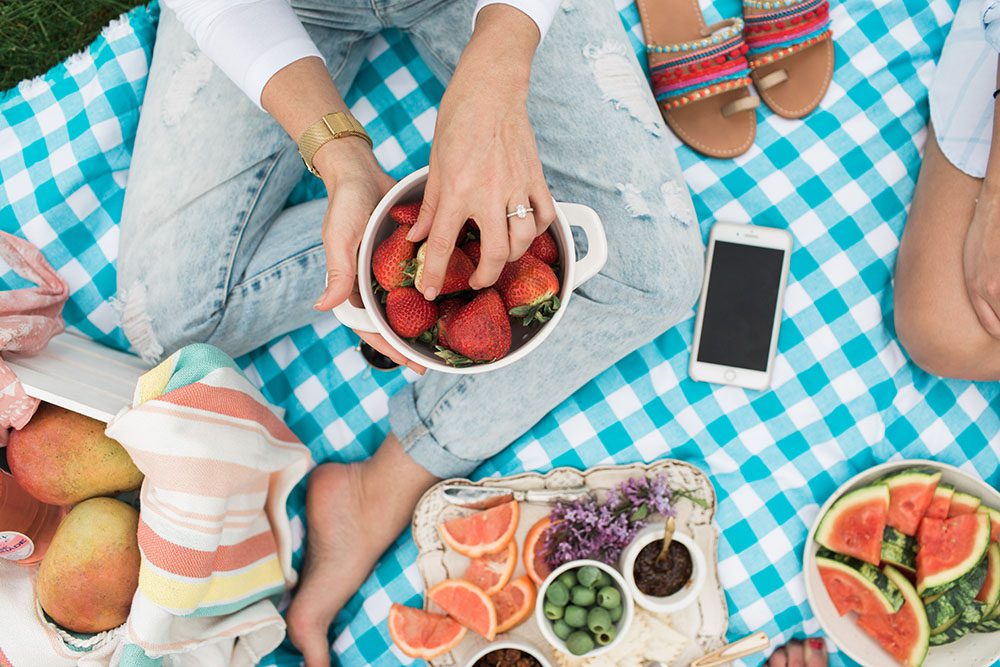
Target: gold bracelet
<point>329,127</point>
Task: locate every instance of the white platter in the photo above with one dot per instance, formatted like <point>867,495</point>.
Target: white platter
<point>974,650</point>
<point>704,624</point>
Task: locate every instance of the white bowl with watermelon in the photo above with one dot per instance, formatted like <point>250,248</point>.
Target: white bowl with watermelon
<point>902,567</point>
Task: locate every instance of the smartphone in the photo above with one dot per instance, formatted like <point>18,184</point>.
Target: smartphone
<point>736,331</point>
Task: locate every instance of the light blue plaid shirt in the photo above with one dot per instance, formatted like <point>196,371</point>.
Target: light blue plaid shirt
<point>961,96</point>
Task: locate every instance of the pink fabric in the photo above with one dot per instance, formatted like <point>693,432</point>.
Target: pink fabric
<point>29,318</point>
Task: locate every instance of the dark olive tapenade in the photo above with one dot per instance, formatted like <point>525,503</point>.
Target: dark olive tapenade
<point>660,579</point>
<point>507,657</point>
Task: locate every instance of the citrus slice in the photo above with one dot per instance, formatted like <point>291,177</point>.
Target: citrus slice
<point>482,533</point>
<point>467,604</point>
<point>514,603</point>
<point>493,571</point>
<point>534,552</point>
<point>421,634</point>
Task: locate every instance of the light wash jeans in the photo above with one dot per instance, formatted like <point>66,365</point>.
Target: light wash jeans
<point>208,253</point>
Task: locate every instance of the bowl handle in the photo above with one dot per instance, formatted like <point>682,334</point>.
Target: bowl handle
<point>587,219</point>
<point>354,317</point>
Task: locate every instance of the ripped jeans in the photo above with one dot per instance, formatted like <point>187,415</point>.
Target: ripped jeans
<point>209,253</point>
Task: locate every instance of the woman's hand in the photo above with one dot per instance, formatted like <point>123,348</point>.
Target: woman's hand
<point>484,161</point>
<point>982,261</point>
<point>355,184</point>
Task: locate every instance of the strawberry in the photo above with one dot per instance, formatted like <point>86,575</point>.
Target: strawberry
<point>409,313</point>
<point>544,248</point>
<point>456,277</point>
<point>446,310</point>
<point>478,332</point>
<point>391,258</point>
<point>530,289</point>
<point>470,231</point>
<point>472,251</point>
<point>406,214</point>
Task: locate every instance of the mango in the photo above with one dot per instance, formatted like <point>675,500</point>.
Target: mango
<point>89,574</point>
<point>61,457</point>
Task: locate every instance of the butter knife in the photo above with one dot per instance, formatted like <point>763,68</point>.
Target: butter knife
<point>485,497</point>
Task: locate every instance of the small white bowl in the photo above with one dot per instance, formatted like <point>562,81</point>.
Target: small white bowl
<point>682,598</point>
<point>526,648</point>
<point>623,625</point>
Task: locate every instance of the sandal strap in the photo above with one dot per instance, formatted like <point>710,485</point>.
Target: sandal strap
<point>784,27</point>
<point>712,66</point>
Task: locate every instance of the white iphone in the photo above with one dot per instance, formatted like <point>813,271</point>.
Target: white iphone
<point>736,331</point>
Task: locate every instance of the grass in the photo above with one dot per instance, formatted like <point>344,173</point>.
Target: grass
<point>37,34</point>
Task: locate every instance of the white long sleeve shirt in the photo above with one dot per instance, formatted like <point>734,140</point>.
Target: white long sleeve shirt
<point>250,40</point>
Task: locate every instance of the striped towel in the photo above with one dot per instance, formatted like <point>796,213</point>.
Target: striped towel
<point>213,530</point>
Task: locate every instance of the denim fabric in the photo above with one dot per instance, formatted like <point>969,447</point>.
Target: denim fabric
<point>209,254</point>
<point>991,12</point>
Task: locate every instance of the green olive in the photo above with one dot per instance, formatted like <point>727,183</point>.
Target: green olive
<point>562,630</point>
<point>616,613</point>
<point>575,617</point>
<point>553,612</point>
<point>568,579</point>
<point>582,597</point>
<point>580,643</point>
<point>609,597</point>
<point>557,594</point>
<point>604,580</point>
<point>606,637</point>
<point>599,620</point>
<point>588,575</point>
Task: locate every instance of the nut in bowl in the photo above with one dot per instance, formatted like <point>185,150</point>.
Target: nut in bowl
<point>584,608</point>
<point>486,329</point>
<point>666,586</point>
<point>509,654</point>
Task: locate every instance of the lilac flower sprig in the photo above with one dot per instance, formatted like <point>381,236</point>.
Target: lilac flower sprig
<point>585,528</point>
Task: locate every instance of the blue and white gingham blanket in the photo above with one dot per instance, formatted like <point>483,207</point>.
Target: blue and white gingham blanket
<point>845,396</point>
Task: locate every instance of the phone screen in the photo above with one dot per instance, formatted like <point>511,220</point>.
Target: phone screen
<point>743,286</point>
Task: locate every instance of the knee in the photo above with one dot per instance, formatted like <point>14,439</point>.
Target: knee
<point>941,348</point>
<point>667,275</point>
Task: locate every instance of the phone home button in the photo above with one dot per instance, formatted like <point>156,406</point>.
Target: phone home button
<point>729,375</point>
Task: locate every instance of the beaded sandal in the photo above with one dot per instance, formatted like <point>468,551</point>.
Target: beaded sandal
<point>791,52</point>
<point>700,85</point>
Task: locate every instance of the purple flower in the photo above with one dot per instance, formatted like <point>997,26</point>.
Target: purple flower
<point>585,528</point>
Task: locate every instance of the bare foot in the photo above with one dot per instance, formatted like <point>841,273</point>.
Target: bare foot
<point>796,653</point>
<point>352,519</point>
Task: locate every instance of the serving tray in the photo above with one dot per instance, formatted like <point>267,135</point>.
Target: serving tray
<point>704,625</point>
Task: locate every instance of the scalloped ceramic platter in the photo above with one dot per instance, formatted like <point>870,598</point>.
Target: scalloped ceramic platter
<point>706,628</point>
<point>974,650</point>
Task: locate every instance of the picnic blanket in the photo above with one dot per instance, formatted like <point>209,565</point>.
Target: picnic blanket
<point>844,395</point>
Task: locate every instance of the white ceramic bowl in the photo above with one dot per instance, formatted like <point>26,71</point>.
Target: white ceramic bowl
<point>624,623</point>
<point>574,273</point>
<point>682,598</point>
<point>521,646</point>
<point>975,650</point>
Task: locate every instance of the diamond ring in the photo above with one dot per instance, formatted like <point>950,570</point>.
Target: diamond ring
<point>521,212</point>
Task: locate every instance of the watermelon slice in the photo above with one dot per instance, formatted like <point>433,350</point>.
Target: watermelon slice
<point>854,585</point>
<point>948,549</point>
<point>910,494</point>
<point>938,509</point>
<point>856,522</point>
<point>970,619</point>
<point>944,609</point>
<point>899,550</point>
<point>905,635</point>
<point>994,516</point>
<point>963,503</point>
<point>989,594</point>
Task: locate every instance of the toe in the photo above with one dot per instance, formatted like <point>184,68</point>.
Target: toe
<point>779,658</point>
<point>796,653</point>
<point>815,653</point>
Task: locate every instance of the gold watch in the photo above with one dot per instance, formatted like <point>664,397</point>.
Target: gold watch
<point>329,127</point>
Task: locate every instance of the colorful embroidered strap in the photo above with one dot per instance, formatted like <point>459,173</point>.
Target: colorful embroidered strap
<point>784,27</point>
<point>703,68</point>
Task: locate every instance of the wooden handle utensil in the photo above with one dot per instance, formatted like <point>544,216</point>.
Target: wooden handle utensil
<point>740,648</point>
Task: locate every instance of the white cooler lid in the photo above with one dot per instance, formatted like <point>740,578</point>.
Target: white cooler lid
<point>80,375</point>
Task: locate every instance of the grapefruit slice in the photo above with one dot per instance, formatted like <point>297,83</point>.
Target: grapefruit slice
<point>534,552</point>
<point>493,571</point>
<point>421,634</point>
<point>855,524</point>
<point>514,603</point>
<point>905,635</point>
<point>910,494</point>
<point>467,604</point>
<point>482,533</point>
